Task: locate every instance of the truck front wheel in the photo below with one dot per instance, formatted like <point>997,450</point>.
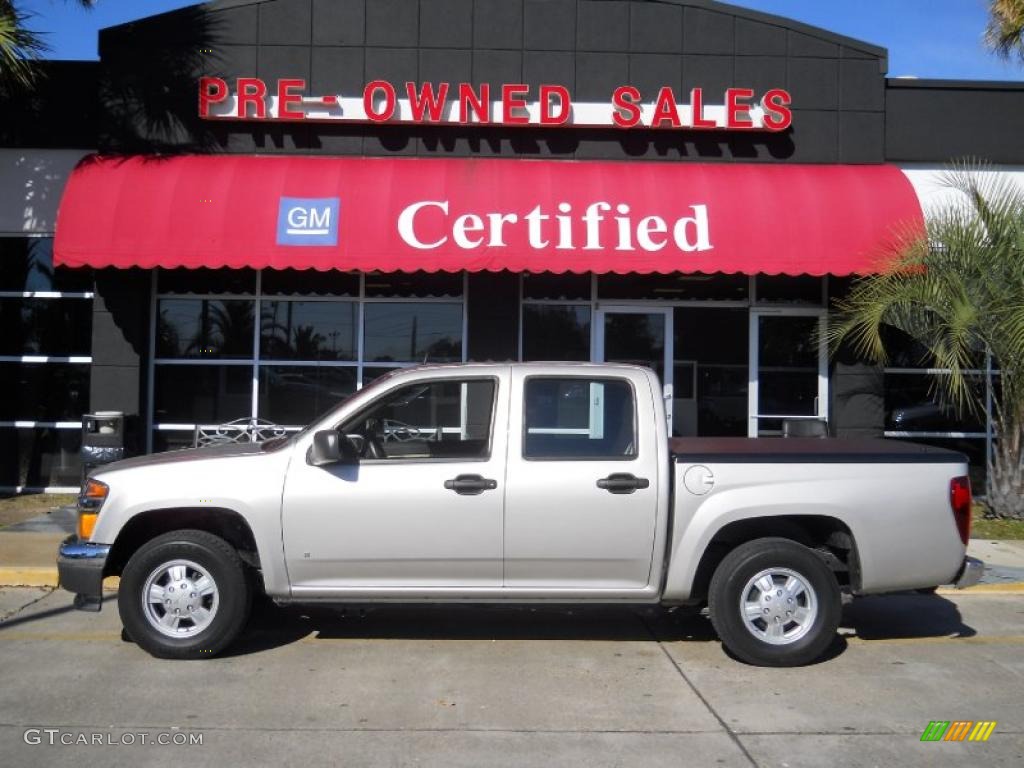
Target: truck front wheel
<point>184,595</point>
<point>774,603</point>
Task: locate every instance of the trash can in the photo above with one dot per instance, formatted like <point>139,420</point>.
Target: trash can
<point>102,439</point>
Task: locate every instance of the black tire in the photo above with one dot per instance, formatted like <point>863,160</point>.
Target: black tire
<point>221,563</point>
<point>926,590</point>
<point>727,589</point>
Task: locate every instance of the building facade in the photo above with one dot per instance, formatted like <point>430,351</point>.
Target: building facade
<point>252,208</point>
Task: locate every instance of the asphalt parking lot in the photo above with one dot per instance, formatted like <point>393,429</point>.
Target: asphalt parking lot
<point>495,686</point>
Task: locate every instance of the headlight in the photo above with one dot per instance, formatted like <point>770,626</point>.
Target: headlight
<point>89,502</point>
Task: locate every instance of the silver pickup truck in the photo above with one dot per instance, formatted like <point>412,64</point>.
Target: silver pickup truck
<point>553,482</point>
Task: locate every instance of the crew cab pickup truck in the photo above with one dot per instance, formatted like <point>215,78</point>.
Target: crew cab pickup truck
<point>546,482</point>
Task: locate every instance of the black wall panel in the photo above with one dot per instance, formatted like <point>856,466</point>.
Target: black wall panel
<point>940,121</point>
<point>492,310</point>
<point>589,46</point>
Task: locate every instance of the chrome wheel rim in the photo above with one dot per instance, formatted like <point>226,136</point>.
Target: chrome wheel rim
<point>778,606</point>
<point>180,598</point>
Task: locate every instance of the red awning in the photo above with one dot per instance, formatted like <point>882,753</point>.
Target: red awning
<point>394,214</point>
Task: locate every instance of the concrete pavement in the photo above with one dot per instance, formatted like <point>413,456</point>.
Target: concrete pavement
<point>496,686</point>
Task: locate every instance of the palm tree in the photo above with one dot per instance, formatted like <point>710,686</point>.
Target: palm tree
<point>959,291</point>
<point>1005,31</point>
<point>20,47</point>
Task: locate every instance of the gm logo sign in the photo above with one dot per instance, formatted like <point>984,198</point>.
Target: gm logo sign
<point>308,221</point>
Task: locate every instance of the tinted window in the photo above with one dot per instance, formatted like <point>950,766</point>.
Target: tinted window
<point>40,457</point>
<point>553,332</point>
<point>201,394</point>
<point>429,420</point>
<point>43,391</point>
<point>579,418</point>
<point>295,395</point>
<point>308,330</point>
<point>204,328</point>
<point>411,333</point>
<point>45,326</point>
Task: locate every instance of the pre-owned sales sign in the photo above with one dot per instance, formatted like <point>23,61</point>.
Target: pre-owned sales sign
<point>512,104</point>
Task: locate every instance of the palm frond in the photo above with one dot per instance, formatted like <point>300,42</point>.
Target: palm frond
<point>1005,31</point>
<point>19,47</point>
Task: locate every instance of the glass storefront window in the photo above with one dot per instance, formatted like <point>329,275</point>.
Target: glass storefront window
<point>201,394</point>
<point>296,395</point>
<point>711,400</point>
<point>26,264</point>
<point>673,287</point>
<point>46,316</point>
<point>308,330</point>
<point>313,326</point>
<point>43,391</point>
<point>56,327</point>
<point>913,403</point>
<point>412,333</point>
<point>201,328</point>
<point>556,332</point>
<point>40,457</point>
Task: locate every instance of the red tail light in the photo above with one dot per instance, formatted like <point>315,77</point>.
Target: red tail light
<point>960,501</point>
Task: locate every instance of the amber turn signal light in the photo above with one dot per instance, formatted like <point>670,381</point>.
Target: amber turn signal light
<point>89,502</point>
<point>86,524</point>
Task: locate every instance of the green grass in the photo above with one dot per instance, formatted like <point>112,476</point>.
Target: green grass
<point>15,509</point>
<point>983,527</point>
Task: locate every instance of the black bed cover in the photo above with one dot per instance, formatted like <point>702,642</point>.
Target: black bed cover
<point>807,450</point>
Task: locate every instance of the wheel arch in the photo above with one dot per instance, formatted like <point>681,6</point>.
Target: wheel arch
<point>145,526</point>
<point>828,537</point>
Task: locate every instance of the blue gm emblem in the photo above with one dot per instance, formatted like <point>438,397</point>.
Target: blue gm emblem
<point>308,221</point>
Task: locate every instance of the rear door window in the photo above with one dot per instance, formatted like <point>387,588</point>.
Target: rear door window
<point>579,418</point>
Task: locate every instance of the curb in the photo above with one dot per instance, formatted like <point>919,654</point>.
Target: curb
<point>1009,588</point>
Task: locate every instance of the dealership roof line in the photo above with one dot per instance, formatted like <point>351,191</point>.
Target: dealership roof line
<point>710,5</point>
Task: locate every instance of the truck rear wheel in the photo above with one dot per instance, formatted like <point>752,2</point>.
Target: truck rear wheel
<point>774,603</point>
<point>184,595</point>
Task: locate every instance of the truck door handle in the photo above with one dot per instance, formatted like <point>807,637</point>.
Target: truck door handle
<point>470,485</point>
<point>622,482</point>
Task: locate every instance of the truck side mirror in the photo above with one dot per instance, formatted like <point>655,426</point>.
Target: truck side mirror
<point>331,447</point>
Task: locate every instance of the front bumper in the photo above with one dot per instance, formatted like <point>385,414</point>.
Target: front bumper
<point>970,573</point>
<point>80,566</point>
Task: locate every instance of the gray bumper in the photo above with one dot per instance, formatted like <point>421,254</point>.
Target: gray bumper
<point>970,573</point>
<point>80,565</point>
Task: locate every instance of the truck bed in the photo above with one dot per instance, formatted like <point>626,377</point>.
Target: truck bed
<point>810,450</point>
